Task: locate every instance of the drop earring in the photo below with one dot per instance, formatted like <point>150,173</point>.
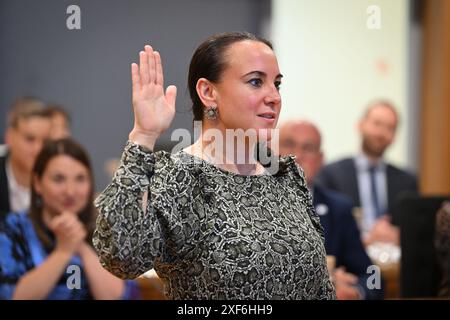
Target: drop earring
<point>211,113</point>
<point>38,201</point>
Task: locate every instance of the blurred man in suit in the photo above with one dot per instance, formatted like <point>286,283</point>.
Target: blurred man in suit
<point>342,238</point>
<point>27,128</point>
<point>372,183</point>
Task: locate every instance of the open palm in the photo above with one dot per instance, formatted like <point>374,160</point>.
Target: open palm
<point>153,109</point>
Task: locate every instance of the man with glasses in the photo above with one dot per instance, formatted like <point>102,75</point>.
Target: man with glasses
<point>342,239</point>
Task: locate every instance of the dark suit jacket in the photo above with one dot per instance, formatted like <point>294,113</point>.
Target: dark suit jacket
<point>342,238</point>
<point>4,190</point>
<point>341,176</point>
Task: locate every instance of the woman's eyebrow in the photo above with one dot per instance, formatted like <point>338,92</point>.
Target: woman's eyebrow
<point>261,74</point>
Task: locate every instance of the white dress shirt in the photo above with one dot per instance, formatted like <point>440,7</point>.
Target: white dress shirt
<point>19,196</point>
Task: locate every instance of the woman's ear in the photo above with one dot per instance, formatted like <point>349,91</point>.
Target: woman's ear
<point>206,92</point>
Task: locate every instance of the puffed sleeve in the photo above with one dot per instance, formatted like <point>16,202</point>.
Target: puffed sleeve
<point>126,238</point>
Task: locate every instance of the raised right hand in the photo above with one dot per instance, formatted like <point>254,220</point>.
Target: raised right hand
<point>69,231</point>
<point>153,110</point>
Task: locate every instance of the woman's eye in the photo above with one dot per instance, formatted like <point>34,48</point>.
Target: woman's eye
<point>81,178</point>
<point>58,178</point>
<point>256,82</point>
<point>277,84</point>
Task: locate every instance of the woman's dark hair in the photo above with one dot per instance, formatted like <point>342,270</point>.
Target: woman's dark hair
<point>51,149</point>
<point>209,62</point>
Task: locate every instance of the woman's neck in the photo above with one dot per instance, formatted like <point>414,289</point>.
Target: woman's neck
<point>235,152</point>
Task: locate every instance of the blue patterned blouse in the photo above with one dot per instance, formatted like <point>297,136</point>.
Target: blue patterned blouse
<point>21,251</point>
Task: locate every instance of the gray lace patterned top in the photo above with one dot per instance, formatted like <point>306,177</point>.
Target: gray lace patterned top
<point>209,233</point>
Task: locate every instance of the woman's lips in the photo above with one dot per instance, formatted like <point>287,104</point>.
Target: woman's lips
<point>68,203</point>
<point>268,117</point>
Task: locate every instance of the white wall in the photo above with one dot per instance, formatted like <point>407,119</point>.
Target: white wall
<point>333,65</point>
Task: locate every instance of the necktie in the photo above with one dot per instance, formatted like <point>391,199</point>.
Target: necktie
<point>375,198</point>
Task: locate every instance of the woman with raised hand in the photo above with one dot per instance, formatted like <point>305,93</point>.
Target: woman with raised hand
<point>46,252</point>
<point>214,225</point>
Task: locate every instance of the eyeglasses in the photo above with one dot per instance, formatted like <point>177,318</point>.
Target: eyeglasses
<point>309,148</point>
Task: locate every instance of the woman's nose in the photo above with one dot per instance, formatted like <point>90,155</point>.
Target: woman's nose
<point>273,97</point>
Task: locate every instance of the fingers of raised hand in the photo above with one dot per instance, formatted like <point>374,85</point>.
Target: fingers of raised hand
<point>149,70</point>
<point>171,95</point>
<point>135,77</point>
<point>151,63</point>
<point>144,68</point>
<point>159,71</point>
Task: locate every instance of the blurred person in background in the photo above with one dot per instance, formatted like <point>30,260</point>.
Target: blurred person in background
<point>47,254</point>
<point>60,122</point>
<point>27,128</point>
<point>372,183</point>
<point>342,238</point>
